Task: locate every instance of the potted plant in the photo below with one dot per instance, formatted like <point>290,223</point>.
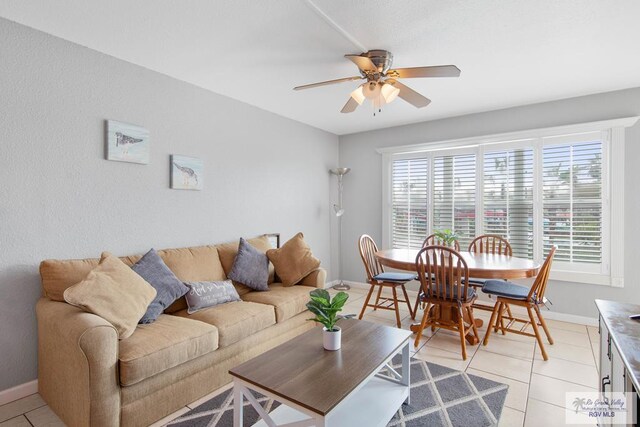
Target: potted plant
<point>326,311</point>
<point>447,236</point>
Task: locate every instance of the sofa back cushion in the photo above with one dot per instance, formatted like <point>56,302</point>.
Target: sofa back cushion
<point>193,264</point>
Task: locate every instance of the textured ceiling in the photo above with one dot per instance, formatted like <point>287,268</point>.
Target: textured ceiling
<point>510,52</point>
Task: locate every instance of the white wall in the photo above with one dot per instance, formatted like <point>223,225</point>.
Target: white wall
<point>59,198</point>
<point>363,196</point>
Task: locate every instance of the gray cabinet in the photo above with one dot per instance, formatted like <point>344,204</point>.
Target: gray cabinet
<point>619,344</point>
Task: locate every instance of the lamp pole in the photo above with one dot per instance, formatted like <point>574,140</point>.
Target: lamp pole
<point>339,211</point>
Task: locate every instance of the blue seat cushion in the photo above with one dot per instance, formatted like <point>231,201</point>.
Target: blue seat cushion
<point>505,289</point>
<point>394,277</point>
<point>477,282</point>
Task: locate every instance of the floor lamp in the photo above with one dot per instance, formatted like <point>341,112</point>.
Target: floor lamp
<point>338,209</point>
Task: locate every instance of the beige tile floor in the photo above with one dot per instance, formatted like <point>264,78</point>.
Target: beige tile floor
<point>536,388</point>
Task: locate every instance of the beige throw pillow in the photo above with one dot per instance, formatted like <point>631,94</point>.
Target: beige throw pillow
<point>115,292</point>
<point>293,261</point>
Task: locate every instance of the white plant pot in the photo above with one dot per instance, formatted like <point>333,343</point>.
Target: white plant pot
<point>332,339</point>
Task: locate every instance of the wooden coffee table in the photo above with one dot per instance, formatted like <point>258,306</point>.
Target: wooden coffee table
<point>352,386</point>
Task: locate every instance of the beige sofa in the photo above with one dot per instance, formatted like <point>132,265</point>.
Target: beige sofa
<point>89,377</point>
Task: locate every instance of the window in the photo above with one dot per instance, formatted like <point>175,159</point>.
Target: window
<point>536,188</point>
<point>454,195</point>
<point>572,202</point>
<point>508,198</point>
<point>409,203</point>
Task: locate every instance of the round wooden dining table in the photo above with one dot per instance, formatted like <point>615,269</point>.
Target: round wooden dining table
<point>481,266</point>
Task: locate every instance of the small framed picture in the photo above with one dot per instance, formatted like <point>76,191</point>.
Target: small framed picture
<point>186,172</point>
<point>127,143</point>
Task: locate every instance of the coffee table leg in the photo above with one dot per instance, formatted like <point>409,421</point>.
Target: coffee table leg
<point>406,371</point>
<point>237,405</point>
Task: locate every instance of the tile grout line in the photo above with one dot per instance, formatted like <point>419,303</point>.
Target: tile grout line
<point>526,405</point>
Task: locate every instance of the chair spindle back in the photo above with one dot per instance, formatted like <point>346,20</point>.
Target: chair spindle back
<point>491,244</point>
<point>368,248</point>
<point>443,273</point>
<point>540,284</point>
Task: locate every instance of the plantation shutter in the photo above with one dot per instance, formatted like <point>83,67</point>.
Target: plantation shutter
<point>508,198</point>
<point>409,202</point>
<point>454,195</point>
<point>572,201</point>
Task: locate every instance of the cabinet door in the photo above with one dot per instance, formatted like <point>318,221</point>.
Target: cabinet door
<point>605,368</point>
<point>618,383</point>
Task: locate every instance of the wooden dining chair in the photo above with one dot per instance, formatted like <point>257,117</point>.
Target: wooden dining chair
<point>509,293</point>
<point>377,277</point>
<point>489,244</point>
<point>432,240</point>
<point>443,275</point>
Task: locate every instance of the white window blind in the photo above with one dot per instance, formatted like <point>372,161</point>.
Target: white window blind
<point>454,195</point>
<point>508,197</point>
<point>409,202</point>
<point>572,201</point>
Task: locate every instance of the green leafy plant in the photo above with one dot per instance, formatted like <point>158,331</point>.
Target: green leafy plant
<point>447,236</point>
<point>325,308</point>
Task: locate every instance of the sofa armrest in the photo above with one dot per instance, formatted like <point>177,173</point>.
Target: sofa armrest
<point>316,278</point>
<point>78,365</point>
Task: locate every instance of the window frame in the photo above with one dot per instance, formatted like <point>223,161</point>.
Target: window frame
<point>612,135</point>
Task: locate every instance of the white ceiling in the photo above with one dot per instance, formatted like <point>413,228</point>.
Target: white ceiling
<point>510,52</point>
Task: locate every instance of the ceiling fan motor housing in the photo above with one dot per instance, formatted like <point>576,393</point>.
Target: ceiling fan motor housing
<point>381,59</point>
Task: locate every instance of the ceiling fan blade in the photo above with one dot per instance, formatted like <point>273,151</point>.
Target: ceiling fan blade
<point>350,106</point>
<point>363,63</point>
<point>328,82</point>
<point>410,95</point>
<point>435,71</point>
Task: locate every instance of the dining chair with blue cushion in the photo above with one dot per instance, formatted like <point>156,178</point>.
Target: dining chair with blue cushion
<point>377,277</point>
<point>444,275</point>
<point>433,240</point>
<point>509,293</point>
<point>489,244</point>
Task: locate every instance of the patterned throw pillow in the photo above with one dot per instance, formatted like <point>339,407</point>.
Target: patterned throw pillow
<point>250,267</point>
<point>208,294</point>
<point>169,288</point>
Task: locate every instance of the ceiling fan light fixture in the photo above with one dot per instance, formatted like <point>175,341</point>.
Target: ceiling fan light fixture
<point>389,92</point>
<point>358,95</point>
<point>371,90</point>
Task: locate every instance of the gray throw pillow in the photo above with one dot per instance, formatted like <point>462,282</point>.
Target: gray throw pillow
<point>168,287</point>
<point>250,267</point>
<point>208,294</point>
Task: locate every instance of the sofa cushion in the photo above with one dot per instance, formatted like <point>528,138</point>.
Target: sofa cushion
<point>57,275</point>
<point>163,344</point>
<point>114,292</point>
<point>195,264</point>
<point>228,252</point>
<point>235,320</point>
<point>287,300</point>
<point>293,261</point>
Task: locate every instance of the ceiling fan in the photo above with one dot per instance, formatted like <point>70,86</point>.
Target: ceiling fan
<point>381,85</point>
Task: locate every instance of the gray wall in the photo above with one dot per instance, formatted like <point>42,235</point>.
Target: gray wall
<point>363,196</point>
<point>61,199</point>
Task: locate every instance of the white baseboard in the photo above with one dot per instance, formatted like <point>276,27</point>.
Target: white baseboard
<point>570,318</point>
<point>18,392</point>
<point>551,315</point>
